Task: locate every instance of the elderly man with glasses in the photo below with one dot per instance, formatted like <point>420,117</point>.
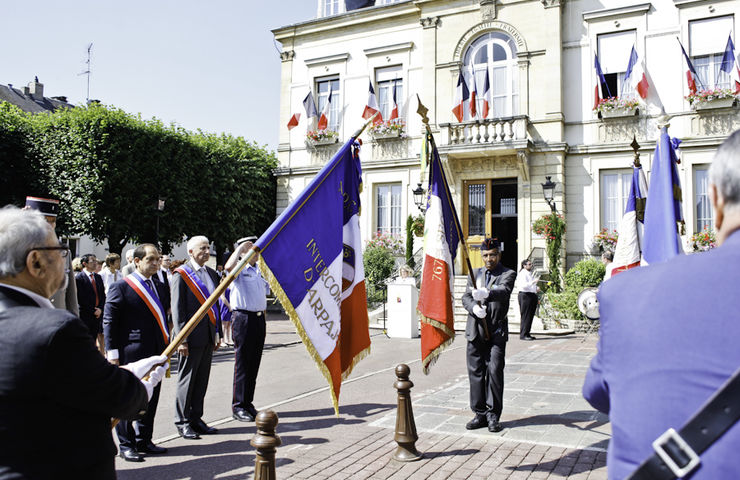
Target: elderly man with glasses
<point>51,374</point>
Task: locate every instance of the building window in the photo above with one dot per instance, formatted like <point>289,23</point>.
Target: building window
<point>704,211</point>
<point>323,87</point>
<point>707,42</point>
<point>494,53</point>
<point>330,7</point>
<point>388,208</point>
<point>615,188</point>
<point>387,78</point>
<point>614,51</point>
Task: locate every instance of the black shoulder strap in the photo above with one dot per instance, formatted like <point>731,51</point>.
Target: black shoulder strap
<point>677,453</point>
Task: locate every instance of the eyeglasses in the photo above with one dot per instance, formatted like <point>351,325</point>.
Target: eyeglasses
<point>62,247</point>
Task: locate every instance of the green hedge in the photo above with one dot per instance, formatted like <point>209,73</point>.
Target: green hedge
<point>586,273</point>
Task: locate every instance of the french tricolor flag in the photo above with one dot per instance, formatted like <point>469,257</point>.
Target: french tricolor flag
<point>461,96</point>
<point>394,107</point>
<point>729,65</point>
<point>473,100</point>
<point>692,79</point>
<point>602,89</point>
<point>324,117</point>
<point>486,96</point>
<point>372,106</point>
<point>628,252</point>
<point>635,76</point>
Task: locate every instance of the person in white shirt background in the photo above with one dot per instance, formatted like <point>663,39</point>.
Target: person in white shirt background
<point>110,272</point>
<point>526,283</point>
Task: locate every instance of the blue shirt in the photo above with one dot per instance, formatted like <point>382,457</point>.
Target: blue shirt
<point>248,291</point>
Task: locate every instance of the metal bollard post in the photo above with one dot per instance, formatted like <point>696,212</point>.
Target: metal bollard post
<point>265,441</point>
<point>405,435</point>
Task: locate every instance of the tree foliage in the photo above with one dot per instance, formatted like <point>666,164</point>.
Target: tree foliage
<point>109,168</point>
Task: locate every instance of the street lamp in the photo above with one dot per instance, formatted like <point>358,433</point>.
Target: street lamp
<point>548,190</point>
<point>159,209</point>
<point>419,196</point>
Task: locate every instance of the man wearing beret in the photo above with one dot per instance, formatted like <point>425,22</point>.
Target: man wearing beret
<point>487,331</point>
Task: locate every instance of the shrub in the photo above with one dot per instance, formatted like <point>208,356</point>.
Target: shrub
<point>586,273</point>
<point>410,242</point>
<point>379,262</point>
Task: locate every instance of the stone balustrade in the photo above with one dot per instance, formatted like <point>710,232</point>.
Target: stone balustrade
<point>489,131</point>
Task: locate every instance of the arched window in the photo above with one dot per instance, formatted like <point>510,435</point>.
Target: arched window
<point>495,53</point>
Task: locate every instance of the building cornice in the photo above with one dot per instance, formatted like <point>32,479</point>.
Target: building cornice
<point>339,57</point>
<point>604,13</point>
<point>369,52</point>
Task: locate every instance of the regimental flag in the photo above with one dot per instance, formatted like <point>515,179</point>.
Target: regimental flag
<point>692,79</point>
<point>312,258</point>
<point>372,107</point>
<point>394,105</point>
<point>602,89</point>
<point>441,238</point>
<point>628,252</point>
<point>473,99</point>
<point>461,96</point>
<point>310,106</point>
<point>486,96</point>
<point>293,122</point>
<point>729,65</point>
<point>324,117</point>
<point>635,75</point>
<point>663,211</point>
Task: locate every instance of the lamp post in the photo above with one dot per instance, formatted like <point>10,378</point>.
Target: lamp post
<point>548,191</point>
<point>157,213</point>
<point>419,196</point>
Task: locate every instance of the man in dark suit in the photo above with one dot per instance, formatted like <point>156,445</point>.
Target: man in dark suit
<point>669,339</point>
<point>91,297</point>
<point>135,327</point>
<point>487,307</point>
<point>52,377</point>
<point>190,286</point>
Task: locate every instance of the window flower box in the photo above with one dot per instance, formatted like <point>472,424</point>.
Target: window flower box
<point>391,129</point>
<point>317,138</point>
<point>616,107</point>
<point>712,99</point>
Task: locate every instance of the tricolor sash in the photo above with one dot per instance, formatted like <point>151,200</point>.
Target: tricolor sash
<point>199,290</point>
<point>151,300</point>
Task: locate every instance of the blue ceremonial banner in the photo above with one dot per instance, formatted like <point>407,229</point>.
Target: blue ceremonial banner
<point>312,257</point>
<point>663,210</point>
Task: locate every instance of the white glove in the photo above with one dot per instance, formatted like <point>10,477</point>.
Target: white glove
<point>142,367</point>
<point>480,294</point>
<point>479,311</point>
<point>154,378</point>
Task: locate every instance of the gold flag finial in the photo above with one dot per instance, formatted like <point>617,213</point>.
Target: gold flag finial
<point>422,111</point>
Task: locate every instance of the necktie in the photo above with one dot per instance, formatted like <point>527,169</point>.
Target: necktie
<point>95,289</point>
<point>150,284</point>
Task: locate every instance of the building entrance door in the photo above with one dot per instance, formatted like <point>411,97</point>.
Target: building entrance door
<point>489,210</point>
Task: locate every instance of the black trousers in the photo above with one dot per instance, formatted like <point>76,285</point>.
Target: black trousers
<point>248,330</point>
<point>486,376</point>
<point>131,432</point>
<point>527,307</point>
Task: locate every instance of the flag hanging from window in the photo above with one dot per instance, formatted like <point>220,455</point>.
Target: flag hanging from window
<point>602,89</point>
<point>663,212</point>
<point>310,106</point>
<point>628,253</point>
<point>394,105</point>
<point>372,106</point>
<point>293,122</point>
<point>692,78</point>
<point>730,67</point>
<point>441,239</point>
<point>312,257</point>
<point>324,117</point>
<point>461,96</point>
<point>486,96</point>
<point>635,75</point>
<point>473,99</point>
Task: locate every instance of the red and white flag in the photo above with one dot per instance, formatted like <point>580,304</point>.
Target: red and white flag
<point>441,239</point>
<point>324,117</point>
<point>461,96</point>
<point>293,122</point>
<point>473,99</point>
<point>394,105</point>
<point>486,96</point>
<point>628,252</point>
<point>372,107</point>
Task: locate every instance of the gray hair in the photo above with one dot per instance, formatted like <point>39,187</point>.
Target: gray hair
<point>196,240</point>
<point>129,255</point>
<point>724,172</point>
<point>20,231</point>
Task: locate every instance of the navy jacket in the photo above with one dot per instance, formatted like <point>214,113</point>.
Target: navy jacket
<point>86,300</point>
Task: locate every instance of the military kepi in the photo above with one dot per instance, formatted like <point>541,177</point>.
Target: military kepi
<point>490,244</point>
<point>47,206</point>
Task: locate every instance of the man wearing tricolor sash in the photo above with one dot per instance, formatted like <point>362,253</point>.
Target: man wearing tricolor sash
<point>191,285</point>
<point>135,327</point>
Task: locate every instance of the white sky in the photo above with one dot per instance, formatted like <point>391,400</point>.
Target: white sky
<point>210,65</point>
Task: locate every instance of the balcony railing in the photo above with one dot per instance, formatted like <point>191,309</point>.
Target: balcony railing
<point>489,131</point>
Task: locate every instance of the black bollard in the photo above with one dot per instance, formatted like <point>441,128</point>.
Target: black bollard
<point>265,442</point>
<point>405,435</point>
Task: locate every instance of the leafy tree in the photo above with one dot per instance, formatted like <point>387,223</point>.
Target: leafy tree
<point>17,179</point>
